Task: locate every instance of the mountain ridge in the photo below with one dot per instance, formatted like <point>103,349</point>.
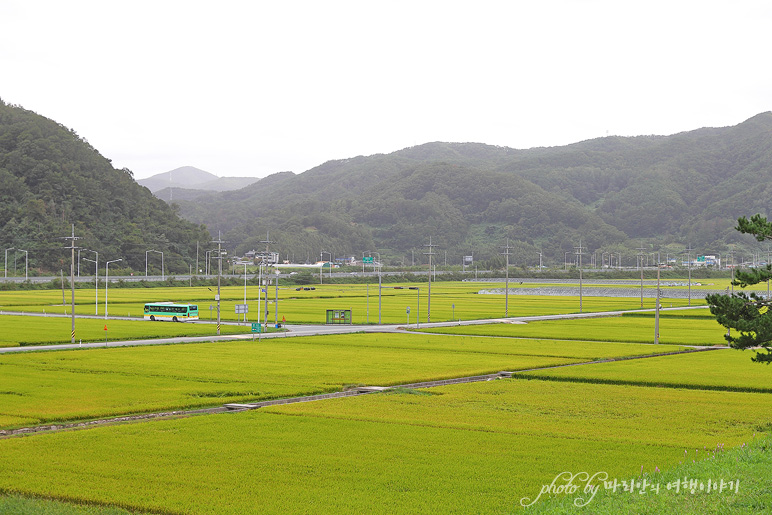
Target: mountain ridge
<point>192,178</point>
<point>611,192</point>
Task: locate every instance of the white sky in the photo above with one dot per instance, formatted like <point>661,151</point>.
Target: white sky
<point>249,88</point>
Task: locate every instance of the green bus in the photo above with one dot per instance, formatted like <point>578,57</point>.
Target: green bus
<point>171,311</point>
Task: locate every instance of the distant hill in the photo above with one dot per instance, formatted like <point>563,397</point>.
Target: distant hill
<point>191,178</point>
<point>613,193</point>
<point>51,178</point>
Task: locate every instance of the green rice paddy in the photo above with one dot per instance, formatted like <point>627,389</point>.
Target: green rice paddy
<point>83,384</point>
<point>449,301</point>
<point>471,448</point>
<point>626,328</point>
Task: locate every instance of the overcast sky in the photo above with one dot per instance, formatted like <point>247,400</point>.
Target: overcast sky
<point>249,88</point>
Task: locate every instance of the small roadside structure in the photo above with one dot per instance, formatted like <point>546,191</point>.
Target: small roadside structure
<point>338,316</point>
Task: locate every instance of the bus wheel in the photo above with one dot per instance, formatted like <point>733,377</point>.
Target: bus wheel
<point>152,318</point>
<point>175,319</point>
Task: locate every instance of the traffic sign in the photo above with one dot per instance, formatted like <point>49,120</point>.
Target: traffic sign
<point>367,259</point>
<point>256,327</point>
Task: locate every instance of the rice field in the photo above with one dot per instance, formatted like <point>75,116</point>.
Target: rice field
<point>23,331</point>
<point>472,448</point>
<point>478,448</point>
<point>724,370</point>
<point>626,328</point>
<point>449,301</point>
<point>83,384</point>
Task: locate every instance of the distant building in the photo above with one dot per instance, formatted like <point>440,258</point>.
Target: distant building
<point>346,261</point>
<point>261,257</point>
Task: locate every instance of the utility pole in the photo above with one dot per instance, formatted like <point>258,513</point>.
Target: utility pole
<point>72,248</point>
<point>689,264</point>
<point>379,292</point>
<point>429,303</point>
<point>506,281</point>
<point>579,251</point>
<point>640,265</point>
<point>268,242</point>
<point>219,243</point>
<point>656,311</point>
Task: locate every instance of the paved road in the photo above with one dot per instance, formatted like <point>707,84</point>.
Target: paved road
<point>308,330</point>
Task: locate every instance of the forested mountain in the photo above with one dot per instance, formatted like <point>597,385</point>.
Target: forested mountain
<point>613,193</point>
<point>51,178</point>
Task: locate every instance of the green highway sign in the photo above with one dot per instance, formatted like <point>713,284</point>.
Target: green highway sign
<point>368,259</point>
<point>256,328</point>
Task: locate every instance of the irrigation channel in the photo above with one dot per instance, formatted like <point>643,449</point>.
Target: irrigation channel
<point>349,392</point>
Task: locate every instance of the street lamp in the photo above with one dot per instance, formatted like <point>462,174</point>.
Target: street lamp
<point>107,275</point>
<point>275,300</point>
<point>96,279</point>
<point>5,263</point>
<point>162,262</point>
<point>379,289</point>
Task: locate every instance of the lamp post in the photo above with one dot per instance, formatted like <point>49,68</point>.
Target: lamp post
<point>206,264</point>
<point>379,289</point>
<point>5,263</point>
<point>275,300</point>
<point>259,290</point>
<point>162,262</point>
<point>107,277</point>
<point>96,279</point>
